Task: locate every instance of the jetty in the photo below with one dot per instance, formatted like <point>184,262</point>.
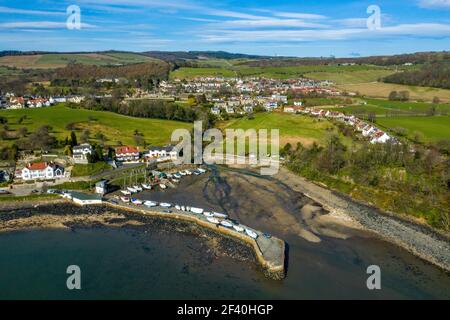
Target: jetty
<point>269,250</point>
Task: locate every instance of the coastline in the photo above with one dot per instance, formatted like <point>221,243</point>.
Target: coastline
<point>62,214</point>
<point>420,240</point>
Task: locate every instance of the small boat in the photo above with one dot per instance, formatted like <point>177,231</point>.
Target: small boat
<point>197,210</point>
<point>125,199</point>
<point>169,176</point>
<point>163,186</point>
<point>175,180</point>
<point>126,192</point>
<point>177,176</point>
<point>251,233</point>
<point>136,201</point>
<point>188,172</point>
<point>188,209</point>
<point>238,228</point>
<point>137,188</point>
<point>213,220</point>
<point>131,189</point>
<point>196,172</point>
<point>183,208</point>
<point>208,214</point>
<point>165,205</point>
<point>182,173</point>
<point>146,186</point>
<point>178,207</point>
<point>201,170</point>
<point>150,204</point>
<point>220,215</point>
<point>226,224</point>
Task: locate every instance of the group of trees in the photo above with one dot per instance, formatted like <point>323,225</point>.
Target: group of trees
<point>399,95</point>
<point>391,175</point>
<point>430,75</point>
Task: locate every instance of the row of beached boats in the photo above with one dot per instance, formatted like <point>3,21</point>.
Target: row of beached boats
<point>173,177</point>
<point>213,217</point>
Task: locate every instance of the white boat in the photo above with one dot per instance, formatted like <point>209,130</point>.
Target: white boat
<point>196,172</point>
<point>146,186</point>
<point>178,207</point>
<point>150,204</point>
<point>182,173</point>
<point>238,228</point>
<point>188,172</point>
<point>136,201</point>
<point>125,199</point>
<point>125,192</point>
<point>131,189</point>
<point>137,188</point>
<point>188,209</point>
<point>201,170</point>
<point>213,220</point>
<point>226,224</point>
<point>163,186</point>
<point>197,210</point>
<point>165,205</point>
<point>169,176</point>
<point>177,176</point>
<point>251,233</point>
<point>183,208</point>
<point>208,214</point>
<point>220,215</point>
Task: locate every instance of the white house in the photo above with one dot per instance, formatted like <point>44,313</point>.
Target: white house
<point>380,137</point>
<point>127,154</point>
<point>42,171</point>
<point>84,199</point>
<point>81,153</point>
<point>369,130</point>
<point>162,153</point>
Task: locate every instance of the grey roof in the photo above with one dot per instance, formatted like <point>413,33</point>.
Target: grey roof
<point>85,196</point>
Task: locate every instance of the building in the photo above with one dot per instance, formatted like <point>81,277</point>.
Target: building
<point>164,153</point>
<point>42,171</point>
<point>127,154</point>
<point>84,199</point>
<point>80,154</point>
<point>101,187</point>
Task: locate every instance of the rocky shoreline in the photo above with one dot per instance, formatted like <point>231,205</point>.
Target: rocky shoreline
<point>60,214</point>
<point>421,240</point>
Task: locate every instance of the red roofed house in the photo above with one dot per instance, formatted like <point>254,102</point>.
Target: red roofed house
<point>127,154</point>
<point>42,171</point>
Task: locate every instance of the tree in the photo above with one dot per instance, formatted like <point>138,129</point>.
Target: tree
<point>372,117</point>
<point>393,95</point>
<point>22,119</point>
<point>85,136</point>
<point>436,100</point>
<point>23,131</point>
<point>73,139</point>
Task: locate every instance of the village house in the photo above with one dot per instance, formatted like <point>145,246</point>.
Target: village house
<point>380,137</point>
<point>42,171</point>
<point>16,103</point>
<point>80,154</point>
<point>292,109</point>
<point>162,153</point>
<point>127,154</point>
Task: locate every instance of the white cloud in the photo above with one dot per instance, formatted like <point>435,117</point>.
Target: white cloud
<point>33,12</point>
<point>266,23</point>
<point>39,25</point>
<point>435,3</point>
<point>306,16</point>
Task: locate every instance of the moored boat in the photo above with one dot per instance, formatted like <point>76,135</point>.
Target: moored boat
<point>201,170</point>
<point>182,173</point>
<point>208,214</point>
<point>146,186</point>
<point>131,189</point>
<point>226,224</point>
<point>150,204</point>
<point>197,210</point>
<point>188,172</point>
<point>163,186</point>
<point>165,205</point>
<point>251,233</point>
<point>125,199</point>
<point>238,228</point>
<point>126,192</point>
<point>178,207</point>
<point>136,201</point>
<point>220,215</point>
<point>177,176</point>
<point>213,220</point>
<point>137,188</point>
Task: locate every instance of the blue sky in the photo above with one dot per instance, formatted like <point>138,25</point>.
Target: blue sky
<point>270,27</point>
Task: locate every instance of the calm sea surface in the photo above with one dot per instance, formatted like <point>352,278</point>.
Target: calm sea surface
<point>132,264</point>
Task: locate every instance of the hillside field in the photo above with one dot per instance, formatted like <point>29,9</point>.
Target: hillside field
<point>115,127</point>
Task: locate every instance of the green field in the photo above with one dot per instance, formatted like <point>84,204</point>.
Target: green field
<point>82,170</point>
<point>190,73</point>
<point>293,128</point>
<point>113,126</point>
<point>349,77</point>
<point>433,128</point>
<point>58,60</point>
